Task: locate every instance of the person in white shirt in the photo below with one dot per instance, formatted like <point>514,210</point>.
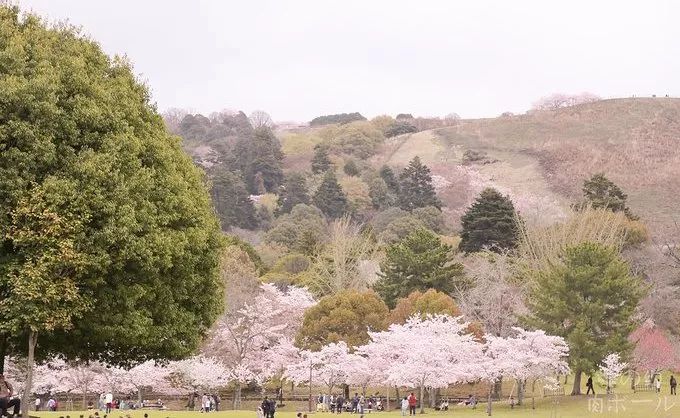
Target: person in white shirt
<point>37,404</point>
<point>108,400</point>
<point>658,385</point>
<point>404,406</point>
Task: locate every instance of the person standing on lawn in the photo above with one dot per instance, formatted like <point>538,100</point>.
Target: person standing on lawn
<point>412,403</point>
<point>404,406</point>
<point>272,407</point>
<point>673,384</point>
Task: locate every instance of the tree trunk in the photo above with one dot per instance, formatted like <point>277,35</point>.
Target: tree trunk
<point>422,398</point>
<point>533,394</point>
<point>387,402</point>
<point>32,341</point>
<point>237,397</point>
<point>432,395</point>
<point>3,352</point>
<point>632,380</point>
<point>576,389</point>
<point>488,401</point>
<point>396,395</point>
<point>139,395</point>
<point>521,385</point>
<point>498,388</point>
<point>566,379</point>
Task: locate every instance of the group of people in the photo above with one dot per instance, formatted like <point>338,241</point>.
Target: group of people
<point>51,404</point>
<point>209,402</point>
<point>409,403</point>
<point>357,404</point>
<point>267,408</point>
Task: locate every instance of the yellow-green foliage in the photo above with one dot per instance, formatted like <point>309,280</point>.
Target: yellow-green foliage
<point>357,138</point>
<point>382,122</point>
<point>299,143</point>
<point>356,191</point>
<point>540,246</point>
<point>269,201</point>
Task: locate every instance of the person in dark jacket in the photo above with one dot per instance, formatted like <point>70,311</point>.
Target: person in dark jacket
<point>272,407</point>
<point>589,385</point>
<point>265,407</point>
<point>674,384</point>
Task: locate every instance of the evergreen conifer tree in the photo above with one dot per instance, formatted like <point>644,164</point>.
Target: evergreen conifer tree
<point>320,161</point>
<point>390,179</point>
<point>600,192</point>
<point>231,199</point>
<point>416,189</point>
<point>489,223</point>
<point>293,192</point>
<point>589,299</point>
<point>418,262</point>
<point>330,198</point>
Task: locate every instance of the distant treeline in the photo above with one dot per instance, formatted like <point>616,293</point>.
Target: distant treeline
<point>340,118</point>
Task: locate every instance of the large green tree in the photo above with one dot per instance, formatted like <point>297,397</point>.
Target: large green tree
<point>293,192</point>
<point>600,192</point>
<point>259,157</point>
<point>128,236</point>
<point>416,189</point>
<point>490,222</point>
<point>589,298</point>
<point>320,161</point>
<point>345,316</point>
<point>231,199</point>
<point>418,262</point>
<point>330,197</point>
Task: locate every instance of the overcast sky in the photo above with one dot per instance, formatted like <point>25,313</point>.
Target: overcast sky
<point>300,59</point>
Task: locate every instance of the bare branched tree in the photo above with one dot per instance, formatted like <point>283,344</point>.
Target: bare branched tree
<point>260,118</point>
<point>349,260</point>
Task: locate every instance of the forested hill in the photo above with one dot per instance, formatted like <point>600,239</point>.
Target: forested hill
<point>540,159</point>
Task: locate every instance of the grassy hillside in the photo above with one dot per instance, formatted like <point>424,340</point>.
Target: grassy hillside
<point>547,155</point>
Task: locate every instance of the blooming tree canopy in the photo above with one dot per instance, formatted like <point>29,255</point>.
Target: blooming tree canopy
<point>328,366</point>
<point>612,368</point>
<point>244,338</point>
<point>201,373</point>
<point>430,352</point>
<point>652,351</point>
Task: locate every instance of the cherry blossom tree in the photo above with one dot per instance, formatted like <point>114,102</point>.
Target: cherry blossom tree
<point>329,366</point>
<point>524,355</point>
<point>652,351</point>
<point>611,368</point>
<point>559,100</point>
<point>433,352</point>
<point>535,355</point>
<point>201,373</point>
<point>364,371</point>
<point>244,336</point>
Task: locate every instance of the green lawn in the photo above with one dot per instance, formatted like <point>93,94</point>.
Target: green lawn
<point>626,405</point>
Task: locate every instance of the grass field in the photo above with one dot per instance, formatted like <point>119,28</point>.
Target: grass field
<point>620,406</point>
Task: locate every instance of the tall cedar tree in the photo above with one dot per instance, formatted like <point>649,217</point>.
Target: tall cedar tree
<point>231,199</point>
<point>387,174</point>
<point>489,223</point>
<point>600,192</point>
<point>99,201</point>
<point>330,198</point>
<point>418,262</point>
<point>320,161</point>
<point>259,152</point>
<point>589,299</point>
<point>293,192</point>
<point>416,189</point>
